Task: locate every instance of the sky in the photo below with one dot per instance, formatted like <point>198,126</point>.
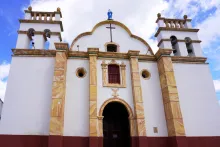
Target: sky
<point>138,15</point>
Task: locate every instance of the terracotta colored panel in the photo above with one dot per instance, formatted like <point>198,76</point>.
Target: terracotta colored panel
<point>74,141</point>
<point>56,108</point>
<point>55,141</point>
<point>58,90</point>
<point>93,109</point>
<point>93,141</point>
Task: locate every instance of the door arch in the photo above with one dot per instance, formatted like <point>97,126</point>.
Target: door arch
<point>131,121</point>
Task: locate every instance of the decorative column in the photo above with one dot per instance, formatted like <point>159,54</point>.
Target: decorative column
<point>172,109</point>
<point>58,96</point>
<point>139,119</point>
<point>93,120</point>
<point>123,73</point>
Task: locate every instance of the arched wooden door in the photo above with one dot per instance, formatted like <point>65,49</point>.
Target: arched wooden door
<point>116,128</point>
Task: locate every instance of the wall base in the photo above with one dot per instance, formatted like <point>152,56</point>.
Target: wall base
<point>68,141</point>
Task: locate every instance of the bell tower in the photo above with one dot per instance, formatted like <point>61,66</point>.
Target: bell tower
<point>37,28</point>
<point>179,35</point>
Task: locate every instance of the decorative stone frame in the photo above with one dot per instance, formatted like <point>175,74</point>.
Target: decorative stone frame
<point>105,74</point>
<point>81,68</point>
<point>107,43</point>
<point>143,70</point>
<point>132,123</point>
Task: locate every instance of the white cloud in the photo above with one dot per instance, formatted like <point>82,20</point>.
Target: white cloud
<point>208,29</point>
<point>217,85</point>
<point>4,71</point>
<point>81,15</point>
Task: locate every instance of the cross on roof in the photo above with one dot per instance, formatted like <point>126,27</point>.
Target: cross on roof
<point>110,30</point>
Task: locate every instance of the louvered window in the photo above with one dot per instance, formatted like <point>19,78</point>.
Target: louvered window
<point>113,74</point>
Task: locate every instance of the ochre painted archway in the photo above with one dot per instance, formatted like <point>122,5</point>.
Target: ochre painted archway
<point>132,122</point>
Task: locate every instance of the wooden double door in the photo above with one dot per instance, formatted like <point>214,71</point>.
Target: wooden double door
<point>116,128</point>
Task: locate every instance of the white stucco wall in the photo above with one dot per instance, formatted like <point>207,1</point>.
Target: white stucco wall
<point>76,117</point>
<point>153,101</point>
<point>23,42</point>
<point>102,35</point>
<point>182,46</point>
<point>27,100</point>
<point>105,93</point>
<point>40,27</point>
<point>1,106</point>
<point>198,102</point>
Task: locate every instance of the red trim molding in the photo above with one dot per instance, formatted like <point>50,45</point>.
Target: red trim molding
<point>74,141</point>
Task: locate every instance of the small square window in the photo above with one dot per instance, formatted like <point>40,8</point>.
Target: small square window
<point>111,48</point>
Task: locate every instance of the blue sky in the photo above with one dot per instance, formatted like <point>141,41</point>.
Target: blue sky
<point>205,15</point>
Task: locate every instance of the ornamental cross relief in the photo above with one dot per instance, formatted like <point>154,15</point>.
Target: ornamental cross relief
<point>115,92</point>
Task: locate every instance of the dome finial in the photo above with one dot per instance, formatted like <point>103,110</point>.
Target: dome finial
<point>159,15</point>
<point>30,8</point>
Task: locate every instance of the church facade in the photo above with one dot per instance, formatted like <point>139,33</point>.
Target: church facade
<point>107,88</point>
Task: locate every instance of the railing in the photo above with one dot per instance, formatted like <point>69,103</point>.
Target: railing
<point>47,16</point>
<point>174,23</point>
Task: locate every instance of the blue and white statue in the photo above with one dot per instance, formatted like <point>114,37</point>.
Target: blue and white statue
<point>109,14</point>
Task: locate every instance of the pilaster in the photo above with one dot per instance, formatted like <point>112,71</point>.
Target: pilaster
<point>171,103</point>
<point>93,120</point>
<point>137,94</point>
<point>58,95</point>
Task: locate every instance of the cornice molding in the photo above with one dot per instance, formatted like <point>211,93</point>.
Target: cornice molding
<point>42,21</point>
<point>189,59</point>
<point>34,52</point>
<point>175,29</point>
<point>108,55</point>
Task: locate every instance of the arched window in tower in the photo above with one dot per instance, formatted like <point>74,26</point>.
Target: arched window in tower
<point>47,34</point>
<point>111,48</point>
<point>174,44</point>
<point>189,46</point>
<point>113,74</point>
<point>30,35</point>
